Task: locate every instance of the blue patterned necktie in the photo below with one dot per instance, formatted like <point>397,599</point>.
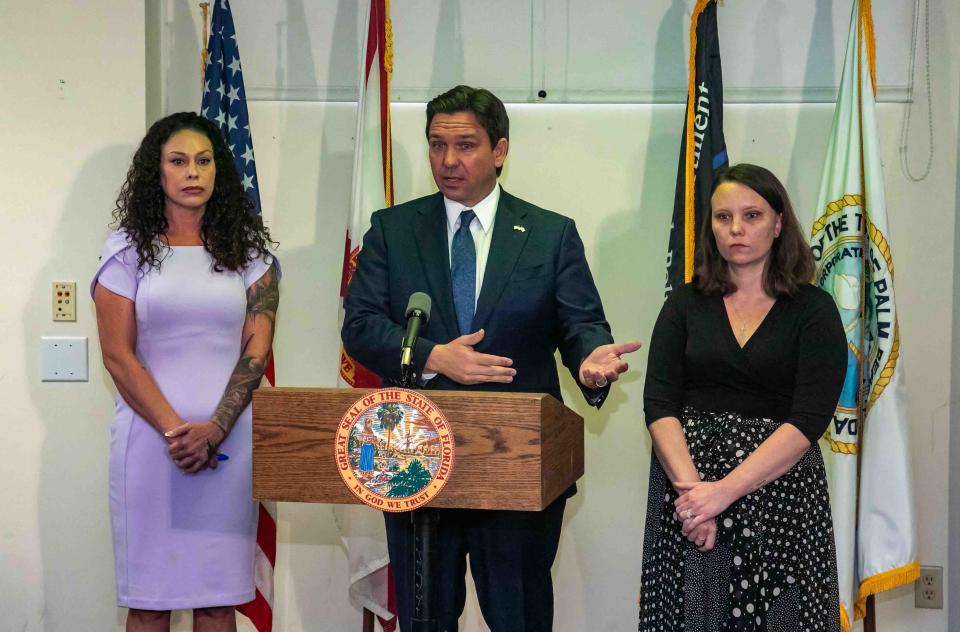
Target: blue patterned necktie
<point>463,255</point>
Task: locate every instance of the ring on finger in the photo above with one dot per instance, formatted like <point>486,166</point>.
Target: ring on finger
<point>688,514</point>
<point>600,381</point>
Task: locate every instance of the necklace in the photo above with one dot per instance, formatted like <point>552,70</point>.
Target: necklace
<point>741,324</point>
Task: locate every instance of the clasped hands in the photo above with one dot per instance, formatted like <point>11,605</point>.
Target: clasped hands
<point>698,506</point>
<point>193,446</point>
<point>459,361</point>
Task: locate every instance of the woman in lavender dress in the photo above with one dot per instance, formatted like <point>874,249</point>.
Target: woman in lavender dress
<point>186,296</point>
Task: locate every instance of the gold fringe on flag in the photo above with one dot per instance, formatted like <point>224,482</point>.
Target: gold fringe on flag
<point>388,69</point>
<point>844,620</point>
<point>887,580</point>
<point>689,227</point>
<point>866,20</point>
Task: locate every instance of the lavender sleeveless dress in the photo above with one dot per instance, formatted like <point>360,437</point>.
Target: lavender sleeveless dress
<point>181,541</point>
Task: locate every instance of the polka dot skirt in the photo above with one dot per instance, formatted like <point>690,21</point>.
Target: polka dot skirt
<point>774,566</point>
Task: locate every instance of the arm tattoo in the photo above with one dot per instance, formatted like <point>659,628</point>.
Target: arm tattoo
<point>239,391</point>
<point>264,296</point>
<point>262,300</point>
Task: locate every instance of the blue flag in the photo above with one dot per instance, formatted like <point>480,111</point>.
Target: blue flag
<point>703,150</point>
<point>225,100</point>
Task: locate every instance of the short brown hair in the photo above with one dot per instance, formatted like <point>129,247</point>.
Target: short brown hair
<point>791,262</point>
<point>485,106</point>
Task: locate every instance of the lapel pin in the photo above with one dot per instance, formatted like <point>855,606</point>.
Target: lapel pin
<point>519,228</point>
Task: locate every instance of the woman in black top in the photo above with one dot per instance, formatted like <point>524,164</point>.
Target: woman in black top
<point>744,373</point>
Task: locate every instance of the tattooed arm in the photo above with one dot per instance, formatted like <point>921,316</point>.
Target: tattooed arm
<point>198,442</point>
<point>262,300</point>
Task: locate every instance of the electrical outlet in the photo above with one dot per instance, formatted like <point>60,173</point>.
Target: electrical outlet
<point>929,588</point>
<point>64,301</point>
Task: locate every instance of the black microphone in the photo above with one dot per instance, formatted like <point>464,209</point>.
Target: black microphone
<point>418,314</point>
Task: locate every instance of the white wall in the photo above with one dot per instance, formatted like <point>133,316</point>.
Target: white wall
<point>71,107</point>
<point>294,50</point>
<point>953,522</point>
<point>611,167</point>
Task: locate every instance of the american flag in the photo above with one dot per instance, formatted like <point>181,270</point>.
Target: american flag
<point>225,103</point>
<point>225,100</point>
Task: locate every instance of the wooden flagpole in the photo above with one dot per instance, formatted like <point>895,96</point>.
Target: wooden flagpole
<point>869,619</point>
<point>204,7</point>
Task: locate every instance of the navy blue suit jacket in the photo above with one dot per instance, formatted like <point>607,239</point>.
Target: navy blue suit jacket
<point>537,296</point>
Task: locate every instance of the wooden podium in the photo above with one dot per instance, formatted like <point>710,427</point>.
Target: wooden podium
<point>516,451</point>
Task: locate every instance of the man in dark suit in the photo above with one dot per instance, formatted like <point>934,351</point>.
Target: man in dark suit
<point>510,285</point>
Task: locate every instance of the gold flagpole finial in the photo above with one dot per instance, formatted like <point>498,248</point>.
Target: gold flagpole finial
<point>204,6</point>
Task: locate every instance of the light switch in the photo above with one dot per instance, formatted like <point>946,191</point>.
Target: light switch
<point>63,359</point>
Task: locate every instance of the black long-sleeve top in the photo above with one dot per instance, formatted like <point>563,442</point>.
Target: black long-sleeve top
<point>791,370</point>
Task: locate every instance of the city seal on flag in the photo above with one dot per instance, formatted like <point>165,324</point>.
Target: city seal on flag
<point>394,449</point>
<point>853,277</point>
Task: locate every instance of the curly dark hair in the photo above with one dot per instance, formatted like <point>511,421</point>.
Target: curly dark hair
<point>791,262</point>
<point>231,229</point>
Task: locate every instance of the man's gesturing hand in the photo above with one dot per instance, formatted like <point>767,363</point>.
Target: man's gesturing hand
<point>604,365</point>
<point>459,362</point>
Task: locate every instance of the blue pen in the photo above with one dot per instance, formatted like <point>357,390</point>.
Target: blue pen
<point>221,456</point>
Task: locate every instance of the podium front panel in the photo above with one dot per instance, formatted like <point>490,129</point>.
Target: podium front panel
<point>516,451</point>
